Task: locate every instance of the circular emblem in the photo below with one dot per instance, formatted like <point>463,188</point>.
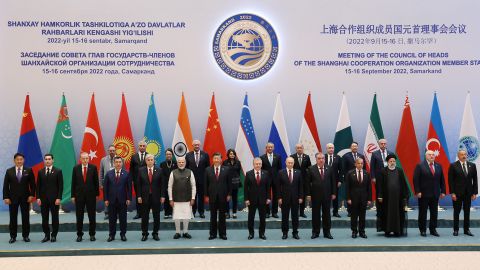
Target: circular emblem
<point>471,146</point>
<point>180,149</point>
<point>123,148</point>
<point>245,46</point>
<point>154,148</point>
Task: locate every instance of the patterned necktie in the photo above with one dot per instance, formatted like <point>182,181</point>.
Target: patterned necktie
<point>216,173</point>
<point>84,174</point>
<point>432,169</point>
<point>321,173</point>
<point>19,175</point>
<point>258,178</point>
<point>300,160</point>
<point>150,177</point>
<point>117,178</point>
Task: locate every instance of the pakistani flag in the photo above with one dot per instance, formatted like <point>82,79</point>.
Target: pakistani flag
<point>374,133</point>
<point>152,134</point>
<point>63,151</point>
<point>343,134</point>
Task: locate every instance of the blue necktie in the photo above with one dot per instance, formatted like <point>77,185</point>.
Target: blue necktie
<point>19,175</point>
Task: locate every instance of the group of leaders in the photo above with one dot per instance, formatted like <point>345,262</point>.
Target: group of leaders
<point>184,185</point>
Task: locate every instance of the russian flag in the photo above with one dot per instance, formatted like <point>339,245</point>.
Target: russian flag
<point>278,133</point>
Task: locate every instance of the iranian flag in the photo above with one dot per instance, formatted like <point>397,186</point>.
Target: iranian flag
<point>182,138</point>
<point>308,132</point>
<point>213,141</point>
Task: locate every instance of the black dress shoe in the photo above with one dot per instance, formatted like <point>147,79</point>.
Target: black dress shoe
<point>250,236</point>
<point>202,216</point>
<point>363,235</point>
<point>314,235</point>
<point>137,216</point>
<point>79,239</point>
<point>187,235</point>
<point>176,236</point>
<point>354,235</point>
<point>123,238</point>
<point>423,234</point>
<point>26,239</point>
<point>303,215</point>
<point>337,215</point>
<point>234,216</point>
<point>455,233</point>
<point>284,236</point>
<point>227,216</point>
<point>274,215</point>
<point>144,238</point>
<point>263,237</point>
<point>92,238</point>
<point>223,237</point>
<point>45,239</point>
<point>468,232</point>
<point>295,236</point>
<point>12,240</point>
<point>349,215</point>
<point>434,233</point>
<point>156,238</point>
<point>54,239</point>
<point>110,238</point>
<point>328,235</point>
<point>211,237</point>
<point>267,216</point>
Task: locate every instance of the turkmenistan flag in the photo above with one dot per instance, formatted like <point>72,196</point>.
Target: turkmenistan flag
<point>63,151</point>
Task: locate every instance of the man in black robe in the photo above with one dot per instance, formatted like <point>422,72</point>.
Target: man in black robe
<point>393,194</point>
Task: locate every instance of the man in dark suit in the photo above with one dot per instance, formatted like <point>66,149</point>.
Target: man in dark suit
<point>18,191</point>
<point>463,184</point>
<point>49,195</point>
<point>272,163</point>
<point>197,161</point>
<point>335,163</point>
<point>257,196</point>
<point>290,194</point>
<point>348,161</point>
<point>359,195</point>
<point>85,190</point>
<point>429,184</point>
<point>218,190</point>
<point>117,195</point>
<point>321,190</point>
<point>137,161</point>
<point>150,184</point>
<point>302,163</point>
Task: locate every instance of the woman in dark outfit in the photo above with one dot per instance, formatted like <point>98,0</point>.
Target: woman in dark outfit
<point>235,167</point>
<point>167,167</point>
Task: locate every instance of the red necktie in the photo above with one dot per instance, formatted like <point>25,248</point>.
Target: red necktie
<point>150,176</point>
<point>84,174</point>
<point>290,178</point>
<point>431,169</point>
<point>216,173</point>
<point>321,173</point>
<point>258,178</point>
<point>117,178</point>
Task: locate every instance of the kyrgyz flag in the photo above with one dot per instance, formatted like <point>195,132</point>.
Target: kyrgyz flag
<point>407,146</point>
<point>123,140</point>
<point>309,133</point>
<point>213,141</point>
<point>63,151</point>
<point>182,138</point>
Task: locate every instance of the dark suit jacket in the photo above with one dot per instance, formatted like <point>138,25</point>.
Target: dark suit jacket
<point>135,164</point>
<point>290,192</point>
<point>356,191</point>
<point>257,194</point>
<point>460,184</point>
<point>156,186</point>
<point>18,191</point>
<point>272,169</point>
<point>321,189</point>
<point>121,191</point>
<point>218,189</point>
<point>198,171</point>
<point>79,187</point>
<point>349,162</point>
<point>50,187</point>
<point>426,183</point>
<point>376,163</point>
<point>336,166</point>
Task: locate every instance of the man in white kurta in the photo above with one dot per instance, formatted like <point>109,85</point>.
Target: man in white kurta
<point>181,191</point>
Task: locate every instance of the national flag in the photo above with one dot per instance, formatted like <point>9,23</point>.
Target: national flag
<point>182,138</point>
<point>308,132</point>
<point>436,140</point>
<point>246,145</point>
<point>343,134</point>
<point>213,141</point>
<point>278,132</point>
<point>63,151</point>
<point>407,149</point>
<point>123,140</point>
<point>153,135</point>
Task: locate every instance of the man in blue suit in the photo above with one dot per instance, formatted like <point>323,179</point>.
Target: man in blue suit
<point>117,196</point>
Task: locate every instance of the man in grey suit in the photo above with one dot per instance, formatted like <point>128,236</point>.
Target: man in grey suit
<point>106,164</point>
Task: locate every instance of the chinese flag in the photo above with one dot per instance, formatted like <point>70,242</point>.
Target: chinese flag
<point>213,135</point>
<point>123,139</point>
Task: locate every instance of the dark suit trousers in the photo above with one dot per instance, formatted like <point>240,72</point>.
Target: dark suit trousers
<point>425,204</point>
<point>168,210</point>
<point>335,205</point>
<point>274,203</point>
<point>357,219</point>
<point>13,209</point>
<point>199,202</point>
<point>146,206</point>
<point>288,207</point>
<point>117,210</point>
<point>234,201</point>
<point>45,208</point>
<point>218,208</point>
<point>262,211</point>
<point>466,202</point>
<point>90,204</point>
<point>322,207</point>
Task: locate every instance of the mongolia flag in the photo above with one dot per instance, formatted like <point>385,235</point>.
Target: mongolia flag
<point>308,132</point>
<point>436,139</point>
<point>278,133</point>
<point>123,140</point>
<point>246,145</point>
<point>28,143</point>
<point>152,134</point>
<point>182,138</point>
<point>213,141</point>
